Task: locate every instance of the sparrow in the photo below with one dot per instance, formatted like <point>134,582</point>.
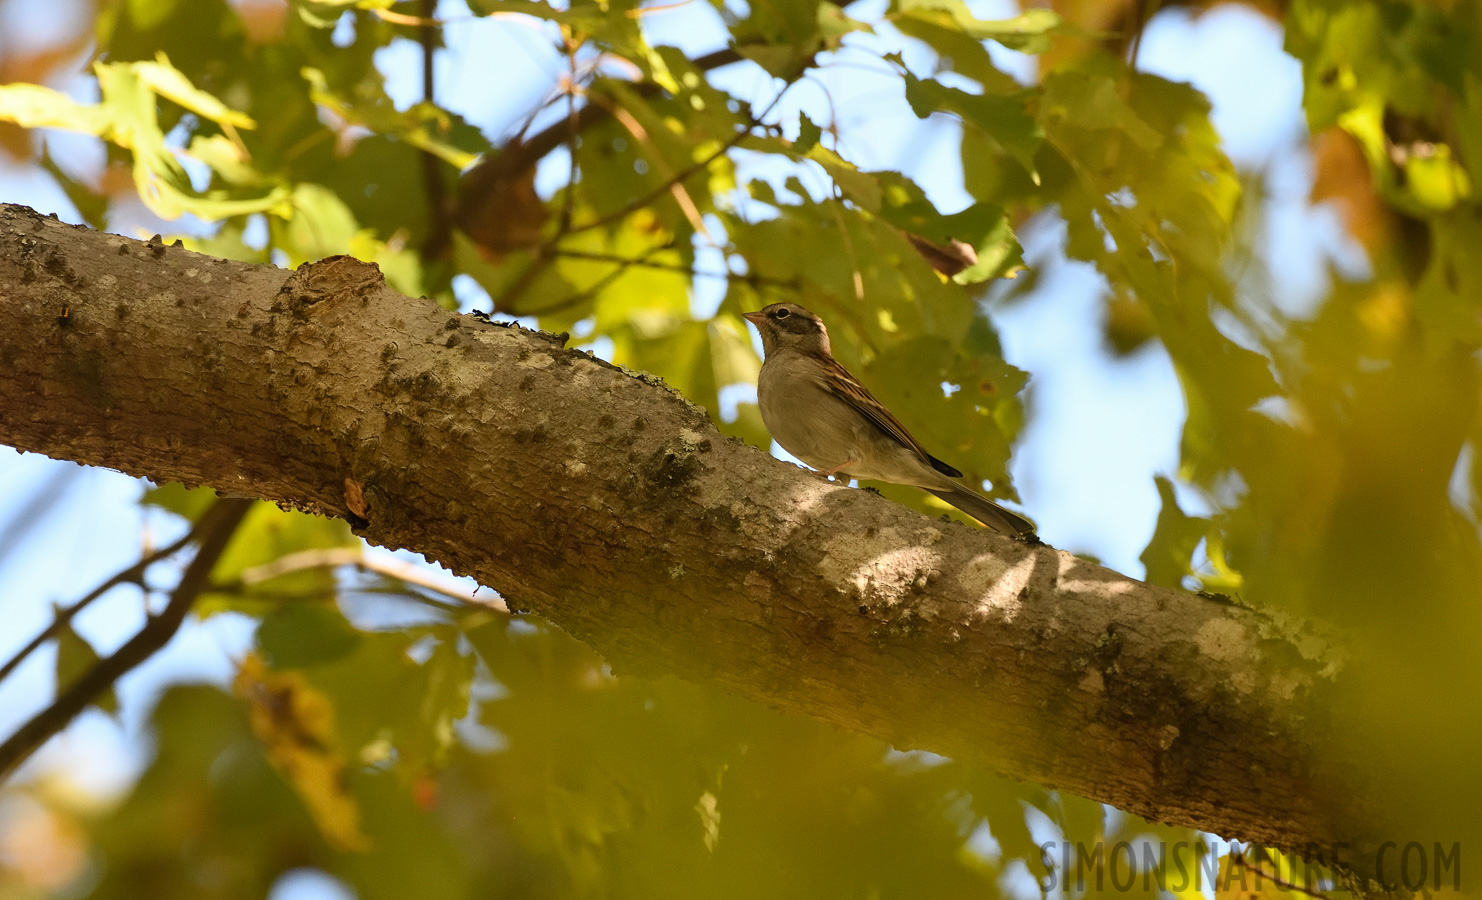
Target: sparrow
<point>821,414</point>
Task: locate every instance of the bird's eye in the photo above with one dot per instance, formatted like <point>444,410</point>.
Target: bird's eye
<point>782,313</point>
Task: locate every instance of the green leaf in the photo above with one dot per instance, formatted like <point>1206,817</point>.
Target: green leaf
<point>1169,554</point>
<point>75,658</point>
<point>304,633</point>
<point>322,225</point>
<point>783,37</point>
<point>962,429</point>
<point>834,24</point>
<point>391,708</point>
<point>179,499</point>
<point>983,226</point>
<point>860,187</point>
<point>1029,32</point>
<point>585,17</point>
<point>92,205</point>
<point>1094,101</point>
<point>956,50</point>
<point>808,134</point>
<point>266,536</point>
<point>423,126</point>
<point>147,14</point>
<point>1004,119</point>
<point>167,81</point>
<point>34,106</point>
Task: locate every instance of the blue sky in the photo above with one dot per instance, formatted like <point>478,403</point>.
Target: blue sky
<point>1099,430</point>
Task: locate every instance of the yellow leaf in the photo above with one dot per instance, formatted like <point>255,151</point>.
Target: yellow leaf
<point>296,723</point>
<point>168,81</point>
<point>34,106</point>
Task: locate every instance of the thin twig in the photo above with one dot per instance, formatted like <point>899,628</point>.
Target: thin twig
<point>681,196</point>
<point>287,564</point>
<point>410,574</point>
<point>396,18</point>
<point>42,502</point>
<point>494,169</point>
<point>522,282</point>
<point>214,531</point>
<point>519,154</point>
<point>836,207</point>
<point>132,575</point>
<point>1237,857</point>
<point>1142,13</point>
<point>646,263</point>
<point>663,7</point>
<point>568,202</point>
<point>440,224</point>
<point>334,557</point>
<point>622,213</point>
<point>581,297</point>
<point>618,215</point>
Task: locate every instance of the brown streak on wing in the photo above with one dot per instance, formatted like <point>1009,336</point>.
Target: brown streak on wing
<point>847,387</point>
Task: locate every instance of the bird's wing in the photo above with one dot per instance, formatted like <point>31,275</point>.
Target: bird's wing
<point>844,385</point>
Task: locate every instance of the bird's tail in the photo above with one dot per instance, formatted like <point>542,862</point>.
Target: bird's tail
<point>984,510</point>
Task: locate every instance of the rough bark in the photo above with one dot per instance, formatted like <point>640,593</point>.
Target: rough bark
<point>603,501</point>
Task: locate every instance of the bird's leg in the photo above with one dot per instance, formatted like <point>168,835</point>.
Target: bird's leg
<point>830,473</point>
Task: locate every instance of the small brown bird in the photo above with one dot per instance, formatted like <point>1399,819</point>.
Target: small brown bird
<point>822,415</point>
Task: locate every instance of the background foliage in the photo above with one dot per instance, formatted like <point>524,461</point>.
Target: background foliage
<point>406,744</point>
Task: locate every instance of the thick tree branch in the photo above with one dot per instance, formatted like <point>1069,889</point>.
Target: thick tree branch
<point>611,506</point>
<point>214,531</point>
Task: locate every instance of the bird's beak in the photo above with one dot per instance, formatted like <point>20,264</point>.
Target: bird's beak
<point>754,318</point>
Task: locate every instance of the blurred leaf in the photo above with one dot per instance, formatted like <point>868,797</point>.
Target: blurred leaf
<point>425,127</point>
<point>303,633</point>
<point>1169,555</point>
<point>92,205</point>
<point>75,658</point>
<point>296,723</point>
<point>956,50</point>
<point>1028,32</point>
<point>207,802</point>
<point>582,16</point>
<point>34,106</point>
<point>167,81</point>
<point>1004,119</point>
<point>392,709</point>
<point>511,216</point>
<point>127,117</point>
<point>179,499</point>
<point>269,534</point>
<point>782,37</point>
<point>808,134</point>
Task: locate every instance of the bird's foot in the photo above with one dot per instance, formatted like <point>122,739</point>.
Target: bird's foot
<point>830,473</point>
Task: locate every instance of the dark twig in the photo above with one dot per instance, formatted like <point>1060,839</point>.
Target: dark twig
<point>645,262</point>
<point>132,575</point>
<point>596,288</point>
<point>1142,12</point>
<point>42,502</point>
<point>682,175</point>
<point>511,295</point>
<point>485,178</point>
<point>440,220</point>
<point>1237,857</point>
<point>214,531</point>
<point>513,160</point>
<point>568,202</point>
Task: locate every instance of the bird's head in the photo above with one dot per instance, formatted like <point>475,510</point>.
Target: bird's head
<point>790,326</point>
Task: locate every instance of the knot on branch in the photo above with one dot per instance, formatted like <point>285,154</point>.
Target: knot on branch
<point>334,277</point>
